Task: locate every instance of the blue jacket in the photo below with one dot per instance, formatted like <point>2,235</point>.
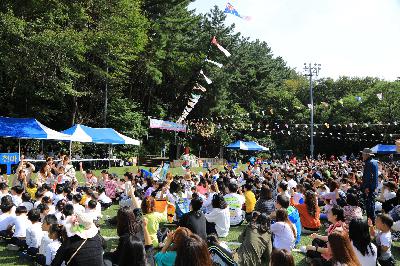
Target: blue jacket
<point>370,175</point>
<point>294,217</point>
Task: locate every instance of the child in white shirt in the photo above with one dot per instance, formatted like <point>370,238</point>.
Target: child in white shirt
<point>16,193</point>
<point>383,238</point>
<point>20,223</point>
<point>26,201</point>
<point>57,235</point>
<point>34,233</point>
<point>76,199</point>
<point>47,222</point>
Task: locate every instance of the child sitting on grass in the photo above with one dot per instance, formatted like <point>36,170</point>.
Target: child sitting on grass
<point>383,239</point>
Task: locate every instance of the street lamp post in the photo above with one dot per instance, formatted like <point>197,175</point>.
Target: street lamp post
<point>311,71</point>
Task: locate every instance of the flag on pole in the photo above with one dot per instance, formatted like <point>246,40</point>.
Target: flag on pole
<point>310,106</point>
<point>222,49</point>
<point>380,96</point>
<point>214,63</point>
<point>209,81</point>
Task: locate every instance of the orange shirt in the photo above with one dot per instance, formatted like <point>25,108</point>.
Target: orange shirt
<point>306,219</point>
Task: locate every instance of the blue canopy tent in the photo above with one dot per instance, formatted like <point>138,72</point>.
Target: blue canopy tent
<point>254,146</point>
<point>246,146</point>
<point>238,145</point>
<point>27,128</point>
<point>81,133</point>
<point>384,149</point>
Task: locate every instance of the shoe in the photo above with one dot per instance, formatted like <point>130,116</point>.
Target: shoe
<point>303,249</point>
<point>12,247</point>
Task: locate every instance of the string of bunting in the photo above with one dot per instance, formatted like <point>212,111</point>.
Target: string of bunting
<point>195,97</point>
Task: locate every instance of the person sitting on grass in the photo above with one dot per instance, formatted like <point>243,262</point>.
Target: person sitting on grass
<point>195,220</point>
<point>173,242</point>
<point>360,237</point>
<point>218,220</point>
<point>154,218</point>
<point>282,257</point>
<point>265,203</point>
<point>219,251</point>
<point>282,202</point>
<point>318,249</point>
<point>193,252</point>
<point>309,213</point>
<point>342,250</point>
<point>46,223</point>
<point>20,223</point>
<point>256,241</point>
<point>352,210</point>
<point>34,232</point>
<point>57,236</point>
<point>383,239</point>
<point>284,232</point>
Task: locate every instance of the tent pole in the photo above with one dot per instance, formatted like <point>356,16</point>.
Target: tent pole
<point>70,149</point>
<point>109,155</point>
<point>19,148</point>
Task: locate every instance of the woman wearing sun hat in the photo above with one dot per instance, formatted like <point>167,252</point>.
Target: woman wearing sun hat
<point>84,245</point>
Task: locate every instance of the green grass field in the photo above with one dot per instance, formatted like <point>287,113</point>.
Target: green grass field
<point>11,258</point>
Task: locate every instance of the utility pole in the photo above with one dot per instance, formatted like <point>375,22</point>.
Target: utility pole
<point>106,99</point>
<point>311,71</point>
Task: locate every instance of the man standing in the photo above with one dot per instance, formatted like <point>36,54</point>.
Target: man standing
<point>370,182</point>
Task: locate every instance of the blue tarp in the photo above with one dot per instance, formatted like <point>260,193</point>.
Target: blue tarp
<point>28,128</point>
<point>384,149</point>
<point>83,133</point>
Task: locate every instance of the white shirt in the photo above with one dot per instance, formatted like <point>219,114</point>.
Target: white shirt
<point>221,218</point>
<point>78,208</point>
<point>367,260</point>
<point>48,194</point>
<point>34,235</point>
<point>57,198</point>
<point>235,203</point>
<point>51,251</point>
<point>5,220</point>
<point>103,198</point>
<point>207,203</point>
<point>45,241</point>
<point>16,200</point>
<point>283,236</point>
<point>291,184</point>
<point>28,205</point>
<point>21,223</point>
<point>385,239</point>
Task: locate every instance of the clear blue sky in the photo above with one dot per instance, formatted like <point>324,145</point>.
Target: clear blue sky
<point>348,37</point>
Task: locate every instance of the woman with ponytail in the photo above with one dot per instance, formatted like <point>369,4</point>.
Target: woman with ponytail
<point>284,231</point>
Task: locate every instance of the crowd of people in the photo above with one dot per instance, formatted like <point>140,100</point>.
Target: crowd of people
<point>349,208</point>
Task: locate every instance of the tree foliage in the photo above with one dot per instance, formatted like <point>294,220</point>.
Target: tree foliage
<point>57,58</point>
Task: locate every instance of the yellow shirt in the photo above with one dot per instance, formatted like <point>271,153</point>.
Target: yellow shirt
<point>31,192</point>
<point>153,222</point>
<point>250,201</point>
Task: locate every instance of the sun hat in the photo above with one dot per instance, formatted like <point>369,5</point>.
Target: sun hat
<point>82,225</point>
<point>367,151</point>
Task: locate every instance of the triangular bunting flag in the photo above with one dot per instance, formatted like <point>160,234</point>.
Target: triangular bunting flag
<point>214,63</point>
<point>380,96</point>
<point>199,87</point>
<point>209,81</point>
<point>222,49</point>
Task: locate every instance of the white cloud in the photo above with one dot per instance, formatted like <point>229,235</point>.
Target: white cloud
<point>348,37</point>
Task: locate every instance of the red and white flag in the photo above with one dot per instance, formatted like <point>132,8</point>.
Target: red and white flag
<point>222,49</point>
<point>199,87</point>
